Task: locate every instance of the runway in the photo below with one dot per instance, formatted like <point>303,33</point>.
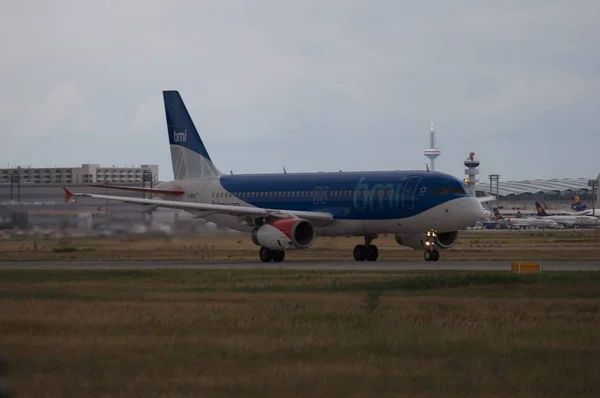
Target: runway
<point>302,265</point>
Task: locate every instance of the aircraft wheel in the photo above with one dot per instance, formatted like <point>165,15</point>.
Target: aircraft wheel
<point>435,255</point>
<point>265,254</point>
<point>372,253</point>
<point>360,252</point>
<point>427,255</point>
<point>278,255</point>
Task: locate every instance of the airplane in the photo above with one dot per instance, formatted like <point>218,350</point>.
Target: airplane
<point>589,212</point>
<point>582,208</point>
<point>573,220</point>
<point>287,211</point>
<point>525,222</point>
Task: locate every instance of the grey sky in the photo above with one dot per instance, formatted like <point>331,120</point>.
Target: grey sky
<point>312,85</point>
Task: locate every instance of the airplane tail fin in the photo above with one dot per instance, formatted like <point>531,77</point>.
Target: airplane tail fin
<point>189,156</point>
<point>540,210</point>
<point>577,205</point>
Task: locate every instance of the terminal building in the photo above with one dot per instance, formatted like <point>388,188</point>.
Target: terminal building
<point>84,174</point>
<point>554,194</point>
<point>38,193</point>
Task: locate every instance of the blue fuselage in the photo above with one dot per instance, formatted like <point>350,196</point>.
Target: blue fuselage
<point>346,195</point>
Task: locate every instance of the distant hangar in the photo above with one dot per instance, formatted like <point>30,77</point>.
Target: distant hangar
<point>526,189</point>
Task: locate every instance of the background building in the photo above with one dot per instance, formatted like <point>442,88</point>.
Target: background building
<point>86,173</point>
<point>37,195</point>
<point>554,194</point>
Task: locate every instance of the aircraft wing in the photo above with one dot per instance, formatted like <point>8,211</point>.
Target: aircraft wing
<point>137,189</point>
<point>204,209</point>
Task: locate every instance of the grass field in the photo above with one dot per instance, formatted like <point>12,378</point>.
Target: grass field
<point>177,333</point>
<point>520,245</point>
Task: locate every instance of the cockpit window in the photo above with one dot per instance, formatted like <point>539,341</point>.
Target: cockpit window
<point>449,188</point>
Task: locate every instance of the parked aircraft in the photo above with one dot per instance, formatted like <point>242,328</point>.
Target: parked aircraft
<point>571,221</point>
<point>423,209</point>
<point>589,212</point>
<point>525,222</point>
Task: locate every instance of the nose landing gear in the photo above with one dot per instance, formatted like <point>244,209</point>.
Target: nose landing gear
<point>431,252</point>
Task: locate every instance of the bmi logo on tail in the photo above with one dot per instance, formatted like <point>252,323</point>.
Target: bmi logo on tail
<point>180,136</point>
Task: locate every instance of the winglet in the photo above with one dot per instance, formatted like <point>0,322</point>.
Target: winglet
<point>68,194</point>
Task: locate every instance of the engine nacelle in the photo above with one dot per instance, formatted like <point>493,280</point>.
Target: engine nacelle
<point>441,241</point>
<point>285,234</point>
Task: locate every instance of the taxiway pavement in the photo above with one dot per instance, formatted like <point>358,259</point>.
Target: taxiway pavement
<point>301,265</point>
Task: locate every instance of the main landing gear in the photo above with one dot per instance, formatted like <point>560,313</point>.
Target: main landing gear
<point>367,251</point>
<point>431,253</point>
<point>267,255</point>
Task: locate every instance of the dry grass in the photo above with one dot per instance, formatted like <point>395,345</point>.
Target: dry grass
<point>290,333</point>
<point>565,245</point>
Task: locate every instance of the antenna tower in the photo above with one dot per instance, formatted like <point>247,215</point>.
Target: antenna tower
<point>432,152</point>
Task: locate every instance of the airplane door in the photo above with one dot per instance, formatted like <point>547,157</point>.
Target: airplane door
<point>410,190</point>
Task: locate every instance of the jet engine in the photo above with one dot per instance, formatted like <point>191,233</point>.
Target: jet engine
<point>285,234</point>
<point>441,241</point>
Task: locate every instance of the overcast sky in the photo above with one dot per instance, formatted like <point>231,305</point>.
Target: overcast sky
<point>310,85</point>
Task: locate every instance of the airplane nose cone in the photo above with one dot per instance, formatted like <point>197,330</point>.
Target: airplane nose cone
<point>471,210</point>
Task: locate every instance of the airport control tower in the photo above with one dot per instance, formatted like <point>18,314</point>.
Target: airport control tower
<point>471,171</point>
<point>432,152</point>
